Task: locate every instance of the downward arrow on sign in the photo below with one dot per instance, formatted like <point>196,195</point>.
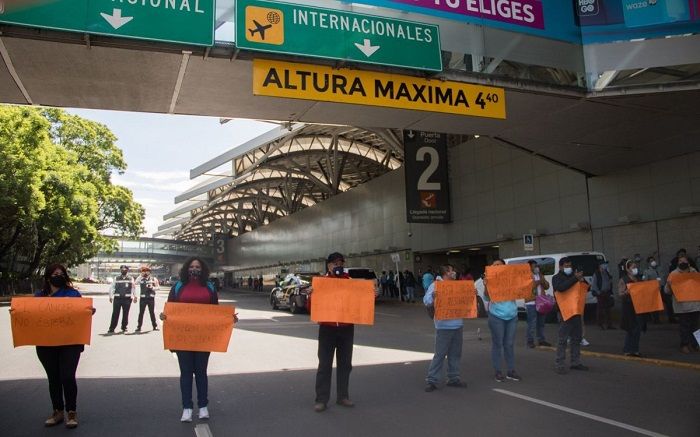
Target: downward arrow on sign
<point>116,20</point>
<point>367,48</point>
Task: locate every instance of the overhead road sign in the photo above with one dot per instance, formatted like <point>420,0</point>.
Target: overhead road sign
<point>176,21</point>
<point>334,34</point>
<point>323,83</point>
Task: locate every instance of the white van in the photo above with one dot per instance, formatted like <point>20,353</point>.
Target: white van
<point>549,266</point>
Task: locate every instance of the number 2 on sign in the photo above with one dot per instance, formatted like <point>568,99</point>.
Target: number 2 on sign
<point>423,183</point>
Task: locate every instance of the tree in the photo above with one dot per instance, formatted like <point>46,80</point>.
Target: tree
<point>56,197</point>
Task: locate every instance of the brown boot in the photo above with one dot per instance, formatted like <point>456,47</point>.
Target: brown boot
<point>72,421</point>
<point>55,419</point>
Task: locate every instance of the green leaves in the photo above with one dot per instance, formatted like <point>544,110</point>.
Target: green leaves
<point>56,196</point>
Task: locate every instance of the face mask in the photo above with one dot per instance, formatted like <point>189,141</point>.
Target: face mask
<point>536,270</point>
<point>653,264</point>
<point>605,267</point>
<point>124,272</point>
<point>635,271</point>
<point>568,271</point>
<point>195,273</point>
<point>57,281</point>
<point>683,266</point>
<point>338,270</point>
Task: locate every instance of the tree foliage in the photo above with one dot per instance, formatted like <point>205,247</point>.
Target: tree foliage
<point>56,197</point>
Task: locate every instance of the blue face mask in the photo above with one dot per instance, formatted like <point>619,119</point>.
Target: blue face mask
<point>338,270</point>
<point>568,271</point>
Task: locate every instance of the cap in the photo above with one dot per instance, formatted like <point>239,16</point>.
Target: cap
<point>145,269</point>
<point>335,256</point>
<point>123,266</point>
<point>531,261</point>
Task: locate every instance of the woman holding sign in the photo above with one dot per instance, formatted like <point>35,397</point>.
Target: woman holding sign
<point>193,287</point>
<point>60,362</point>
<point>632,323</point>
<point>688,311</point>
<point>503,319</point>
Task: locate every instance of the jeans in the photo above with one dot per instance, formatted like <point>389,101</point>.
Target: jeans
<point>193,363</point>
<point>570,328</point>
<point>338,341</point>
<point>410,293</point>
<point>535,321</point>
<point>603,310</point>
<point>121,304</point>
<point>687,324</point>
<point>448,342</point>
<point>60,364</point>
<point>632,337</point>
<point>502,338</point>
<point>149,302</point>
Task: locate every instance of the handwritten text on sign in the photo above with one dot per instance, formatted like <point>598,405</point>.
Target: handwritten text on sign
<point>509,282</point>
<point>572,301</point>
<point>51,321</point>
<point>342,301</point>
<point>685,286</point>
<point>646,296</point>
<point>455,300</point>
<point>197,327</point>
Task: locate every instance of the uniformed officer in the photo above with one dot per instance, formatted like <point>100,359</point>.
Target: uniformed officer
<point>148,285</point>
<point>120,295</point>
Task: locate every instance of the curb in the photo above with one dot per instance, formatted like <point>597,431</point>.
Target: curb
<point>654,361</point>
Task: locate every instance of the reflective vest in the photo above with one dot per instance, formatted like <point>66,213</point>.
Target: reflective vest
<point>143,285</point>
<point>122,286</point>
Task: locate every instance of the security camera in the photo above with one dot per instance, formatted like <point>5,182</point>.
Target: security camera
<point>410,234</point>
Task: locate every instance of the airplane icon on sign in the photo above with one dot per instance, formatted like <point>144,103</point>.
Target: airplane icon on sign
<point>259,28</point>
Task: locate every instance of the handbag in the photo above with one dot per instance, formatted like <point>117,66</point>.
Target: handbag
<point>544,304</point>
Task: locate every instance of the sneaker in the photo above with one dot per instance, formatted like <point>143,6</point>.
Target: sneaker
<point>346,403</point>
<point>55,419</point>
<point>72,421</point>
<point>584,342</point>
<point>544,343</point>
<point>430,387</point>
<point>320,407</point>
<point>531,345</point>
<point>499,377</point>
<point>579,367</point>
<point>203,413</point>
<point>513,376</point>
<point>560,370</point>
<point>138,330</point>
<point>110,331</point>
<point>186,415</point>
<point>457,383</point>
<point>155,328</point>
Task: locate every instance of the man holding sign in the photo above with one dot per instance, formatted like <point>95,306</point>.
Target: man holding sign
<point>448,339</point>
<point>684,284</point>
<point>570,325</point>
<point>334,338</point>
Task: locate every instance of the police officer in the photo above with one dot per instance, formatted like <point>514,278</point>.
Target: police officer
<point>148,285</point>
<point>120,295</point>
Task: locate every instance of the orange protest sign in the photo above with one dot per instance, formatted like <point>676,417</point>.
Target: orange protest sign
<point>572,301</point>
<point>509,282</point>
<point>51,321</point>
<point>197,327</point>
<point>455,300</point>
<point>685,286</point>
<point>342,300</point>
<point>646,296</point>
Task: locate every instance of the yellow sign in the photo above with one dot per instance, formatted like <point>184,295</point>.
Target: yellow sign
<point>322,83</point>
<point>264,25</point>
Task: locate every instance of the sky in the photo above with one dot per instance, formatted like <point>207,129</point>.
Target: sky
<point>160,150</point>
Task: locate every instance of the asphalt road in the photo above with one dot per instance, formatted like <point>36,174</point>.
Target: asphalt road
<point>264,384</point>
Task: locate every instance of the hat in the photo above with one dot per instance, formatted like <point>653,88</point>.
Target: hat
<point>145,269</point>
<point>335,256</point>
<point>531,261</point>
<point>123,266</point>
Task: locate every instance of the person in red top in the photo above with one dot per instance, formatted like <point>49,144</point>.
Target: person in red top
<point>334,339</point>
<point>193,287</point>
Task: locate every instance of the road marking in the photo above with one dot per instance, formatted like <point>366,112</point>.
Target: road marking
<point>655,361</point>
<point>202,430</point>
<point>386,314</point>
<point>582,414</point>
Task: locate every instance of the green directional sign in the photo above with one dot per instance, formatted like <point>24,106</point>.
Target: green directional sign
<point>177,21</point>
<point>335,34</point>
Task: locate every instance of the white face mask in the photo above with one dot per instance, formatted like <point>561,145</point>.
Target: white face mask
<point>653,264</point>
<point>568,271</point>
<point>635,271</point>
<point>536,270</point>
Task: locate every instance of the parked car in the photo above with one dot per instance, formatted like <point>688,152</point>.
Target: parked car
<point>549,266</point>
<point>365,273</point>
<point>292,292</point>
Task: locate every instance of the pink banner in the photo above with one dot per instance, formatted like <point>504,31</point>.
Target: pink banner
<point>518,12</point>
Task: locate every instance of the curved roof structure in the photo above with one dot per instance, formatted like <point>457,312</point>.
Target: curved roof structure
<point>278,173</point>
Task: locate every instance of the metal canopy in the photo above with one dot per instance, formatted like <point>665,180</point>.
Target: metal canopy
<point>279,173</point>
